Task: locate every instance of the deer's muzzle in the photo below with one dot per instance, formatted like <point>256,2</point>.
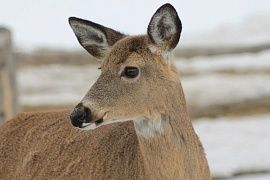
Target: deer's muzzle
<point>82,116</point>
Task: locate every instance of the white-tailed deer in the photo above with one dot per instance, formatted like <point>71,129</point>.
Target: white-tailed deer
<point>135,114</point>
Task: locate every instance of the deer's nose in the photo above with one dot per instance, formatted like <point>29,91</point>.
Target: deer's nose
<point>80,115</point>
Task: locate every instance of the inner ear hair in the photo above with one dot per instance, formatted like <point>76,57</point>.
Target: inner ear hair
<point>165,27</point>
<point>95,38</point>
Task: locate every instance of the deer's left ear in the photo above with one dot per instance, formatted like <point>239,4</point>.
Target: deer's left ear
<point>165,28</point>
<point>95,38</point>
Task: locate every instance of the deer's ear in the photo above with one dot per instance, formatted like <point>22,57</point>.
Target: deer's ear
<point>95,38</point>
<point>165,27</point>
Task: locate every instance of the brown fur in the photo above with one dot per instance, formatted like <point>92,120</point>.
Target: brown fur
<point>45,146</point>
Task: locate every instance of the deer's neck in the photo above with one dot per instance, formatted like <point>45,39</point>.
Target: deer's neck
<point>169,146</point>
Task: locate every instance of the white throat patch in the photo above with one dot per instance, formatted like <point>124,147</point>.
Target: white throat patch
<point>148,128</point>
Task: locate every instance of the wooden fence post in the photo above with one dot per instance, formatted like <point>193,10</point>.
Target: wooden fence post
<point>8,90</point>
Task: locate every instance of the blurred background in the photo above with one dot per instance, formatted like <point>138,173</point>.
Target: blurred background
<point>223,58</point>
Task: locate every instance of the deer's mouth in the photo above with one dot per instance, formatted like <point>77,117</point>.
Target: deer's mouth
<point>105,120</point>
<point>97,120</point>
<point>92,124</point>
<point>85,119</point>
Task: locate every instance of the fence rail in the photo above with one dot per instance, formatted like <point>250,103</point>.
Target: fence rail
<point>8,91</point>
<point>189,52</point>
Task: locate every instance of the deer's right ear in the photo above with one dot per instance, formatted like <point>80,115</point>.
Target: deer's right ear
<point>95,38</point>
<point>165,27</point>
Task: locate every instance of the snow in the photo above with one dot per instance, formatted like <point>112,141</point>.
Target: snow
<point>253,177</point>
<point>65,84</point>
<point>259,62</point>
<point>231,144</point>
<point>235,144</point>
<point>215,89</point>
<point>54,84</point>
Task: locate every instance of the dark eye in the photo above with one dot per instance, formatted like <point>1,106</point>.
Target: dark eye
<point>130,72</point>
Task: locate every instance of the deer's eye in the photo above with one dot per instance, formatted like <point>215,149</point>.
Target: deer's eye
<point>130,72</point>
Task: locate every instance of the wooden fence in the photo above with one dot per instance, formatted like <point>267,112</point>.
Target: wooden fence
<point>8,91</point>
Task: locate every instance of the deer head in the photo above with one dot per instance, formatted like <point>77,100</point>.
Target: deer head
<point>137,80</point>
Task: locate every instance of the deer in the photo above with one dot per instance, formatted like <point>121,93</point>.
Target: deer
<point>133,123</point>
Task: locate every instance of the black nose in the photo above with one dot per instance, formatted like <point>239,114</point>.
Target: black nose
<point>80,115</point>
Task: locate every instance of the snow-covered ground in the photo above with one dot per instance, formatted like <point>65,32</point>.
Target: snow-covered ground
<point>236,144</point>
<point>64,84</point>
<point>251,63</point>
<point>215,89</point>
<point>233,145</point>
<point>54,84</point>
<point>252,177</point>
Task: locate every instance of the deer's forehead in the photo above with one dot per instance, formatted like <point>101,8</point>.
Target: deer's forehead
<point>127,49</point>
